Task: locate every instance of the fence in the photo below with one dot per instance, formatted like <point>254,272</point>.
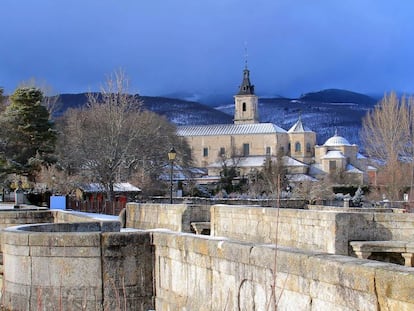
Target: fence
<point>95,206</point>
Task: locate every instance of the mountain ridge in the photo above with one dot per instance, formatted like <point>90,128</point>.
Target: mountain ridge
<point>325,112</point>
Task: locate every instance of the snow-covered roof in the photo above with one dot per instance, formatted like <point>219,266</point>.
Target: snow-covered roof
<point>337,140</point>
<point>176,176</point>
<point>118,187</point>
<point>242,162</point>
<point>360,156</point>
<point>300,177</point>
<point>288,161</point>
<point>352,169</point>
<point>257,161</point>
<point>333,154</point>
<point>371,168</point>
<point>316,169</point>
<point>298,127</point>
<point>229,129</point>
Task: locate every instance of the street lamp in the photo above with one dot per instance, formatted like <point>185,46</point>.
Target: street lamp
<point>171,156</point>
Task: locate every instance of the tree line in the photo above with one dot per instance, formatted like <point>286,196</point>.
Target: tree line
<point>114,139</point>
<point>109,140</point>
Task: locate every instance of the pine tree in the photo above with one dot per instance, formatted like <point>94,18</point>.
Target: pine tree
<point>27,135</point>
<point>358,197</point>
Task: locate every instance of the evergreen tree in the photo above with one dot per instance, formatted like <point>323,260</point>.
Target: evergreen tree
<point>27,135</point>
<point>358,197</point>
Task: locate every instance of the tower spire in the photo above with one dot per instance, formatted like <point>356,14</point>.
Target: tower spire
<point>246,88</point>
<point>246,102</point>
<point>245,55</point>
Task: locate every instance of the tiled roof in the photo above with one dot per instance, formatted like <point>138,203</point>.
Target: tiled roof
<point>229,129</point>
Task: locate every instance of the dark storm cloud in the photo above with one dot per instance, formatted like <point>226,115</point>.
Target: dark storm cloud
<point>169,46</point>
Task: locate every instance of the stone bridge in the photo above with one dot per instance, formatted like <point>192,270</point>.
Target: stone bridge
<point>255,258</point>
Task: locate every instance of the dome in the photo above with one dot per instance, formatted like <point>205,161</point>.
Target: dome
<point>337,141</point>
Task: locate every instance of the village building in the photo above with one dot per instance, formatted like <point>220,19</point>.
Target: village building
<point>96,191</point>
<point>247,143</point>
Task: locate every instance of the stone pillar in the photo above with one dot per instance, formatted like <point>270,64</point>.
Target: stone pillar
<point>409,259</point>
<point>18,195</point>
<point>362,254</point>
<point>346,203</point>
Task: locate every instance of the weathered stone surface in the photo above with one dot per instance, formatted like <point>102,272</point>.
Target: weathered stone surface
<point>127,269</point>
<point>300,279</point>
<point>65,239</point>
<point>176,217</point>
<point>77,270</point>
<point>326,231</point>
<point>299,269</point>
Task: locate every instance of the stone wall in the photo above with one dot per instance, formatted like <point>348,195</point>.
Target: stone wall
<point>176,217</point>
<point>127,271</point>
<point>62,216</point>
<point>16,217</point>
<point>285,203</point>
<point>325,231</point>
<point>205,273</point>
<point>77,267</point>
<point>50,267</point>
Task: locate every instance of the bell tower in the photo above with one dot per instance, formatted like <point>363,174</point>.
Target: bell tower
<point>246,103</point>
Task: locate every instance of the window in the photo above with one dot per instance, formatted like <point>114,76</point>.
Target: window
<point>308,147</point>
<point>297,147</point>
<point>205,152</point>
<point>246,150</point>
<point>222,151</point>
<point>244,107</point>
<point>268,151</point>
<point>332,165</point>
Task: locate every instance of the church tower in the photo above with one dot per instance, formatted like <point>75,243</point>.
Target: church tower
<point>246,103</point>
<point>302,142</point>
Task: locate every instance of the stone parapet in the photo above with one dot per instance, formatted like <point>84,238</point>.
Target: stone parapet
<point>176,217</point>
<point>16,217</point>
<point>201,273</point>
<point>82,266</point>
<point>328,231</point>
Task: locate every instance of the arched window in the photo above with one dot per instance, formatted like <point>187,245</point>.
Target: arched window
<point>244,107</point>
<point>297,147</point>
<point>308,147</point>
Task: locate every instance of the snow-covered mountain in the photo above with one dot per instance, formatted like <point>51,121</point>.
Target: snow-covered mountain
<point>324,112</point>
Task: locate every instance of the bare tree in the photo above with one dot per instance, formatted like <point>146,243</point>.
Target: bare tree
<point>271,179</point>
<point>387,138</point>
<point>313,191</point>
<point>229,171</point>
<point>109,139</point>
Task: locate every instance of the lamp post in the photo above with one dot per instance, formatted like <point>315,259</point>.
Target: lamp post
<point>171,156</point>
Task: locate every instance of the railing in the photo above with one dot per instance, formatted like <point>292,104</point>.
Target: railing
<point>100,207</point>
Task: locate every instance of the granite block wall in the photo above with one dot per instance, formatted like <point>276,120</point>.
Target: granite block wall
<point>326,231</point>
<point>205,273</point>
<point>176,217</point>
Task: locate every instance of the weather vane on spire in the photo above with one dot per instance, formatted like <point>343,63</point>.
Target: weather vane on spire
<point>245,54</point>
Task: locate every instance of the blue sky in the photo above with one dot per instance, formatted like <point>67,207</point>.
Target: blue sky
<point>194,46</point>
